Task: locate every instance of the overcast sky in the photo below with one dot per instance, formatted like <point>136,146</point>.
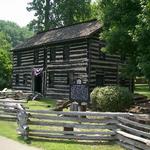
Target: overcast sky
<point>15,10</point>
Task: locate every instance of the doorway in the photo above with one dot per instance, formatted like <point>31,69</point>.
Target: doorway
<point>38,83</point>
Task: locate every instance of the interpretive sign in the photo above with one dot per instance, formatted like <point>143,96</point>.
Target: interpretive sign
<point>79,92</point>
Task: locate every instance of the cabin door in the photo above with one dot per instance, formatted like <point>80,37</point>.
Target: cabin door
<point>38,83</point>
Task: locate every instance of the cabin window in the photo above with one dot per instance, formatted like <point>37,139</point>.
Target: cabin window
<point>52,54</point>
<point>36,56</point>
<point>66,53</point>
<point>25,79</point>
<point>18,59</point>
<point>100,80</point>
<point>51,79</point>
<point>70,78</point>
<point>17,79</point>
<point>102,55</point>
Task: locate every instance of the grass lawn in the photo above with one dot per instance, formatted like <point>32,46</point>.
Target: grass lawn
<point>142,89</point>
<point>8,129</point>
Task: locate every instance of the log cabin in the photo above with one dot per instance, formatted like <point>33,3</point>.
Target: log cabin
<point>50,61</point>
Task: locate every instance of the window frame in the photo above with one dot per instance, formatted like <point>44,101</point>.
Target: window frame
<point>17,79</point>
<point>18,55</point>
<point>52,54</point>
<point>25,79</point>
<point>102,77</point>
<point>70,78</point>
<point>102,55</point>
<point>50,79</point>
<point>66,52</point>
<point>36,56</point>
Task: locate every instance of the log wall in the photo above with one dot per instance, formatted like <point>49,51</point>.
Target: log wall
<point>76,65</point>
<point>103,65</point>
<point>84,61</point>
<point>64,71</point>
<point>25,68</point>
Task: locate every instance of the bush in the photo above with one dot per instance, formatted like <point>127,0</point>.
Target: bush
<point>111,98</point>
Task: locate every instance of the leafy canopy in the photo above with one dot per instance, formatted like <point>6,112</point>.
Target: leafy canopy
<point>5,62</point>
<point>14,33</point>
<point>54,13</point>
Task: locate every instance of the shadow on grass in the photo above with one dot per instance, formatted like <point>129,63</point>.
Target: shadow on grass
<point>21,139</point>
<point>77,142</point>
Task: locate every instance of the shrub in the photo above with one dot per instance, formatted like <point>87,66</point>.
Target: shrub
<point>111,98</point>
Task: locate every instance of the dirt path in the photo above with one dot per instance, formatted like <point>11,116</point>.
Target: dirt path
<point>7,144</point>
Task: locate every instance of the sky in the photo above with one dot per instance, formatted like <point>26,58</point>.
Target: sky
<point>15,10</point>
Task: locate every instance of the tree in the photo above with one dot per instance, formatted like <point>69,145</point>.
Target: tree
<point>142,38</point>
<point>119,18</point>
<point>73,11</point>
<point>5,69</point>
<point>5,45</point>
<point>55,13</point>
<point>14,33</point>
<point>5,62</point>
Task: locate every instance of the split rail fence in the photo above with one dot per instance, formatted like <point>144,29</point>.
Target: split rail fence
<point>9,108</point>
<point>132,131</point>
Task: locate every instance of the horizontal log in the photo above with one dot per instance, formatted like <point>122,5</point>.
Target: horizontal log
<point>8,110</point>
<point>7,117</point>
<point>133,137</point>
<point>134,131</point>
<point>72,125</point>
<point>109,133</point>
<point>134,143</point>
<point>73,137</point>
<point>8,114</point>
<point>77,113</point>
<point>14,101</point>
<point>133,123</point>
<point>76,119</point>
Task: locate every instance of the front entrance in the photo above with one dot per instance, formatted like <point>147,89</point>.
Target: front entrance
<point>38,83</point>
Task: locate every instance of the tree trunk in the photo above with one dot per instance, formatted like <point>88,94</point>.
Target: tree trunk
<point>47,10</point>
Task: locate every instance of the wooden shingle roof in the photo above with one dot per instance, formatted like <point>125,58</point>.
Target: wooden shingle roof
<point>77,31</point>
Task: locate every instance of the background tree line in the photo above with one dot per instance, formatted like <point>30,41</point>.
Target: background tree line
<point>10,35</point>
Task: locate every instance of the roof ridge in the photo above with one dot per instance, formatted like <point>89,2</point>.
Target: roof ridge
<point>56,28</point>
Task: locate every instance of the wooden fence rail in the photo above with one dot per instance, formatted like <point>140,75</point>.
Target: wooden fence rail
<point>95,126</point>
<point>9,108</point>
<point>132,131</point>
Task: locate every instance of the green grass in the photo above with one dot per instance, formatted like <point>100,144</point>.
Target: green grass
<point>41,104</point>
<point>8,129</point>
<point>142,89</point>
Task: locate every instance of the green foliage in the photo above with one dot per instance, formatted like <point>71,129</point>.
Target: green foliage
<point>54,13</point>
<point>5,62</point>
<point>111,98</point>
<point>14,34</point>
<point>5,69</point>
<point>4,44</point>
<point>120,19</point>
<point>142,38</point>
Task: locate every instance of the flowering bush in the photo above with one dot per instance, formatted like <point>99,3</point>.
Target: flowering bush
<point>111,98</point>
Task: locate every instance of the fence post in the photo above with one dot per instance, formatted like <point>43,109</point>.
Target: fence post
<point>22,121</point>
<point>73,107</point>
<point>83,108</point>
